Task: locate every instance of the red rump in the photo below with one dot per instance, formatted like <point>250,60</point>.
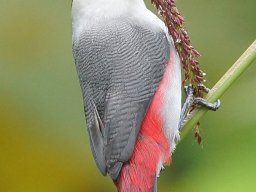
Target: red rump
<point>151,147</point>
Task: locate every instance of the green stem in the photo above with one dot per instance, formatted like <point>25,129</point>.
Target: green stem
<point>221,86</point>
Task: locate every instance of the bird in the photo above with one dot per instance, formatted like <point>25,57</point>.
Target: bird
<point>130,78</point>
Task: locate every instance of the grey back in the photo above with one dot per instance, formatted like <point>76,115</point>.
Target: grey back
<point>120,63</point>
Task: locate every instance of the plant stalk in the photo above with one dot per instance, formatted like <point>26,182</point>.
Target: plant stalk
<point>221,87</point>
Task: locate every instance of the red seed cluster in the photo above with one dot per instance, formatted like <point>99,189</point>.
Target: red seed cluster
<point>188,54</point>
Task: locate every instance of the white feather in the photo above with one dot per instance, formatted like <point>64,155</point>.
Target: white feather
<point>88,12</point>
<point>172,103</point>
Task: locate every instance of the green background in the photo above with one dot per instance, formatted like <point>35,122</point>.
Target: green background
<point>43,141</point>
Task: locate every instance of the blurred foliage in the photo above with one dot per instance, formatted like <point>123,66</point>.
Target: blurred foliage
<point>43,140</point>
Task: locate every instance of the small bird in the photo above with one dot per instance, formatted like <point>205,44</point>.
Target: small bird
<point>130,77</point>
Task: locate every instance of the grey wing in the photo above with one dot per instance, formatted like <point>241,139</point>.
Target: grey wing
<point>120,65</point>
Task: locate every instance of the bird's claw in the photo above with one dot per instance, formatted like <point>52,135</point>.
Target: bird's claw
<point>204,103</point>
<point>198,101</point>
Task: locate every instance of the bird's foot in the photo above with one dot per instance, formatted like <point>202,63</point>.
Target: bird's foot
<point>197,101</point>
<point>204,103</point>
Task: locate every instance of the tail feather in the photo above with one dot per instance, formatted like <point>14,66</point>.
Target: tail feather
<point>139,174</point>
<point>155,185</point>
<point>151,150</point>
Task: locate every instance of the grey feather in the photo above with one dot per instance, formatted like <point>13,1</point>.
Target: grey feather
<point>120,63</point>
